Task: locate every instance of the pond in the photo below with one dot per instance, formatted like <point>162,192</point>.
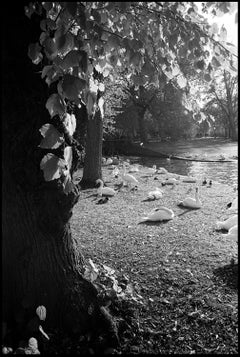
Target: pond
<point>222,172</point>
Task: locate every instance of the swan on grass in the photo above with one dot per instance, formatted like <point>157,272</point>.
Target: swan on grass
<point>191,202</point>
<point>162,170</point>
<point>104,191</point>
<point>159,214</point>
<point>133,168</point>
<point>155,195</point>
<point>129,179</point>
<point>228,223</point>
<point>151,170</point>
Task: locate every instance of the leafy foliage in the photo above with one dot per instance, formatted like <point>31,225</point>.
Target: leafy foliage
<point>145,40</point>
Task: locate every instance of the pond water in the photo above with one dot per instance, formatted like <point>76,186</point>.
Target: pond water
<point>222,172</point>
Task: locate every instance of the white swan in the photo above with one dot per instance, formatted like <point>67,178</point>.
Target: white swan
<point>159,214</point>
<point>151,170</point>
<point>228,223</point>
<point>189,179</point>
<point>234,205</point>
<point>129,179</point>
<point>155,195</point>
<point>232,233</point>
<point>109,161</point>
<point>133,168</point>
<point>191,202</point>
<point>104,191</point>
<point>162,170</point>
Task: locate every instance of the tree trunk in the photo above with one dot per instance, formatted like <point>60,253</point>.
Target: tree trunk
<point>93,158</point>
<point>142,125</point>
<point>41,263</point>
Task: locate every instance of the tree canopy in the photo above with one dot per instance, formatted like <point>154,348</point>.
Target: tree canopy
<point>147,41</point>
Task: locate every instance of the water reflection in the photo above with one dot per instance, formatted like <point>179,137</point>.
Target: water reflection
<point>223,172</point>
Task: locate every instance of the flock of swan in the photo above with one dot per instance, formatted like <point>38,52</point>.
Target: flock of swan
<point>163,213</point>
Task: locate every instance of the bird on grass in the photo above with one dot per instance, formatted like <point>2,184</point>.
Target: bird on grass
<point>228,223</point>
<point>190,202</point>
<point>104,191</point>
<point>129,179</point>
<point>159,214</point>
<point>102,200</point>
<point>204,181</point>
<point>210,183</point>
<point>155,194</point>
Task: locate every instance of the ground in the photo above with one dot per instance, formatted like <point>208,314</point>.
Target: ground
<point>182,270</point>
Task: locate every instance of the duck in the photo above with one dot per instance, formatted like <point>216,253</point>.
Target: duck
<point>191,202</point>
<point>232,233</point>
<point>155,195</point>
<point>159,214</point>
<point>169,158</point>
<point>104,191</point>
<point>129,179</point>
<point>233,206</point>
<point>228,223</point>
<point>162,170</point>
<point>204,181</point>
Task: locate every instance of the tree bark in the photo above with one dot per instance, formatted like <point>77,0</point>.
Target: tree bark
<point>42,264</point>
<point>93,158</point>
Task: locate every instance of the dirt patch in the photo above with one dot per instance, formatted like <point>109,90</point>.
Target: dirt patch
<point>182,269</point>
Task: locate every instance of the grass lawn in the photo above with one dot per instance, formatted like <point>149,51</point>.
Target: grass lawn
<point>181,268</point>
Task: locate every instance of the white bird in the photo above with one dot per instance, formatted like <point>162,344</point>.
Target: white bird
<point>162,170</point>
<point>232,233</point>
<point>115,172</point>
<point>109,161</point>
<point>159,214</point>
<point>104,191</point>
<point>169,158</point>
<point>189,179</point>
<point>171,181</point>
<point>129,179</point>
<point>151,170</point>
<point>228,223</point>
<point>191,202</point>
<point>133,169</point>
<point>233,205</point>
<point>155,195</point>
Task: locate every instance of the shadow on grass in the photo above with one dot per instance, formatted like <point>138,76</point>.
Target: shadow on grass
<point>228,274</point>
<point>153,223</point>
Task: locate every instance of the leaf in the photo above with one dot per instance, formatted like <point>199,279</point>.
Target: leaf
<point>50,48</point>
<point>52,138</point>
<point>68,156</point>
<point>70,123</point>
<point>41,311</point>
<point>215,62</point>
<point>55,105</point>
<point>34,52</point>
<point>207,77</point>
<point>64,43</point>
<point>52,167</point>
<point>68,185</point>
<point>72,87</point>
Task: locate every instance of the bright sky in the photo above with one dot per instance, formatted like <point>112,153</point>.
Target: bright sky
<point>228,20</point>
